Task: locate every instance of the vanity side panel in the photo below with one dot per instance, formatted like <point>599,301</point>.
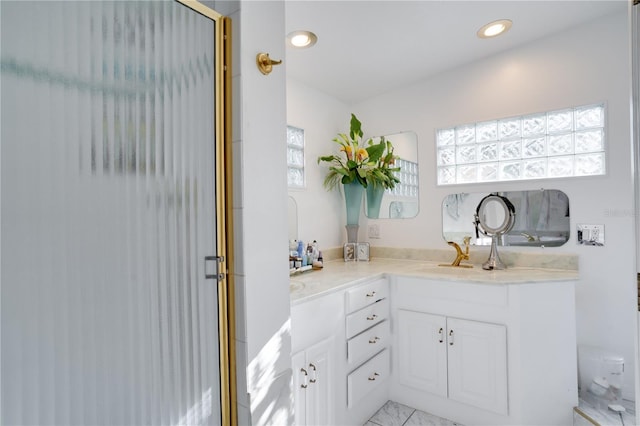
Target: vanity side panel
<point>547,313</point>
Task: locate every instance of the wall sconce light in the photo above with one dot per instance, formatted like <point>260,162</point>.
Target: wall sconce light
<point>265,63</point>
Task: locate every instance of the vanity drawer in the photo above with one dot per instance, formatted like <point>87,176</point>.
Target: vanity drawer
<point>367,377</point>
<point>369,342</point>
<point>359,297</point>
<point>367,317</point>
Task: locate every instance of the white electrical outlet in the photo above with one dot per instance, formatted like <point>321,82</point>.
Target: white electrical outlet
<point>374,231</point>
<point>590,235</point>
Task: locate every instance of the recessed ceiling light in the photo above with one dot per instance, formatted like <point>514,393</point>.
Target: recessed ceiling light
<point>302,39</point>
<point>494,28</point>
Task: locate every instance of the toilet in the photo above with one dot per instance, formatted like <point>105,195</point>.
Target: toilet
<point>600,376</point>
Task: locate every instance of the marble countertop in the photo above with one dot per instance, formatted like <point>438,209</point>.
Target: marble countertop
<point>337,275</point>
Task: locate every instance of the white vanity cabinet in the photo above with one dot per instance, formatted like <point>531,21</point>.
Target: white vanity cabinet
<point>463,360</point>
<point>485,353</point>
<point>317,328</point>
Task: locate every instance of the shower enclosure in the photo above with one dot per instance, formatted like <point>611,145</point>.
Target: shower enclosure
<point>112,215</point>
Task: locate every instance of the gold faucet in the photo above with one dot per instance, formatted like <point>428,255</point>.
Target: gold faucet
<point>460,256</point>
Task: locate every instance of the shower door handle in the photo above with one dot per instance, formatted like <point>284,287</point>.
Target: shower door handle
<point>217,260</point>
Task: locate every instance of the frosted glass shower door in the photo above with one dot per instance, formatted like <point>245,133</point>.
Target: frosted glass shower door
<point>108,210</point>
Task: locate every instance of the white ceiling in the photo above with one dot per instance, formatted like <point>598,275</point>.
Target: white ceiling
<point>369,47</point>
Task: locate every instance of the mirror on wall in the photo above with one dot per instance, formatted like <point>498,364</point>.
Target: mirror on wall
<point>293,218</point>
<point>541,219</point>
<point>401,202</point>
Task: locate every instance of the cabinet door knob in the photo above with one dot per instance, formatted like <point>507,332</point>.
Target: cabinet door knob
<point>373,293</point>
<point>304,384</point>
<point>372,378</point>
<point>440,333</point>
<point>374,340</point>
<point>315,374</point>
<point>451,337</point>
<point>372,317</point>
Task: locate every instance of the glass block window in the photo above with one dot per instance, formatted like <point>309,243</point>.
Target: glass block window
<point>564,143</point>
<point>295,157</point>
<point>408,175</point>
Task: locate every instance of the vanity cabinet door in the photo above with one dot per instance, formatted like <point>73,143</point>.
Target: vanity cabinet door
<point>422,351</point>
<point>463,360</point>
<point>477,356</point>
<point>321,382</point>
<point>300,386</point>
<point>313,382</point>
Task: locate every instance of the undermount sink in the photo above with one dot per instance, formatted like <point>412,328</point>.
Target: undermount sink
<point>295,285</point>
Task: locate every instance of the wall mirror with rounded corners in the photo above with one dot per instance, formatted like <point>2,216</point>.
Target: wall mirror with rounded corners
<point>542,218</point>
<point>400,202</point>
<point>293,218</point>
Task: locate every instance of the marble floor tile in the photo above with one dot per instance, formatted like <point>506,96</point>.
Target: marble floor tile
<point>604,416</point>
<point>420,418</point>
<point>392,414</point>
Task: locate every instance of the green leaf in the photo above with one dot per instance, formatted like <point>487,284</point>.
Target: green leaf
<point>356,127</point>
<point>339,170</point>
<point>328,158</point>
<point>375,152</point>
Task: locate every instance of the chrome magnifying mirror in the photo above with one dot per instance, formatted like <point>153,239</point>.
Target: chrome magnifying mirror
<point>495,216</point>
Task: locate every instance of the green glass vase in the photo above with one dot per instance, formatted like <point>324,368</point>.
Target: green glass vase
<point>374,200</point>
<point>353,199</point>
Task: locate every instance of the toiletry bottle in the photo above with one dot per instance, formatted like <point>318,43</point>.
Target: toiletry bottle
<point>317,264</point>
<point>300,249</point>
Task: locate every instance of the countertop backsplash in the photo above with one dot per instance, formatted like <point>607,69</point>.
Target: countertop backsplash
<point>477,255</point>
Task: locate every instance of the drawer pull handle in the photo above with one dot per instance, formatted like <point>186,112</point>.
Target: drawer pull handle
<point>313,367</point>
<point>451,337</point>
<point>373,377</point>
<point>440,339</point>
<point>304,384</point>
<point>373,293</point>
<point>374,340</point>
<point>372,317</point>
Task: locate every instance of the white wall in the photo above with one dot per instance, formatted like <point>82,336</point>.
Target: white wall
<point>260,215</point>
<point>322,117</point>
<point>580,66</point>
